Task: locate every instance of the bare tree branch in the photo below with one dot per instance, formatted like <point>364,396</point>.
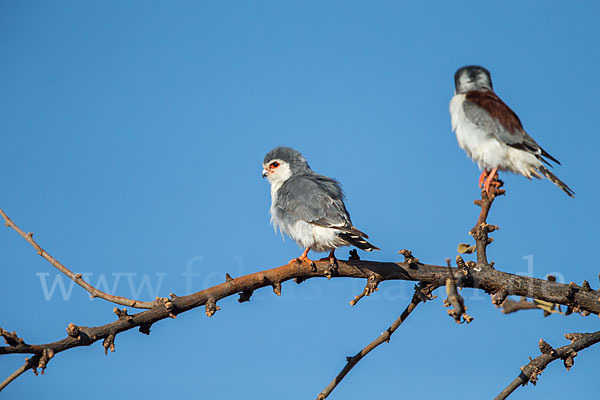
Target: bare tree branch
<point>480,275</point>
<point>422,294</point>
<point>530,372</point>
<point>77,278</point>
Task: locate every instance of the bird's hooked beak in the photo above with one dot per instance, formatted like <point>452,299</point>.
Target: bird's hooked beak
<point>265,173</point>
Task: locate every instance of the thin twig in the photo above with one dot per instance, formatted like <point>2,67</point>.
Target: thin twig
<point>455,300</point>
<point>422,293</point>
<point>77,278</point>
<point>482,228</point>
<point>370,287</point>
<point>530,372</point>
<point>29,364</point>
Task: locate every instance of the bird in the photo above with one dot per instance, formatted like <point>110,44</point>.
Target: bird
<point>309,207</point>
<point>491,133</point>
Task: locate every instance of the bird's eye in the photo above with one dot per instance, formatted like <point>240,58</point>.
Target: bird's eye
<point>274,164</point>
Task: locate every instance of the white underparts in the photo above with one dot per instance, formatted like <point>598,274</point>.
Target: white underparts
<point>485,149</point>
<point>316,237</point>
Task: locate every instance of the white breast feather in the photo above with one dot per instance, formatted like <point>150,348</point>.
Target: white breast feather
<point>318,238</point>
<point>487,151</point>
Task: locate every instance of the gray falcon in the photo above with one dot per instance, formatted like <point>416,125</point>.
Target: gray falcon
<point>309,207</point>
<point>492,134</point>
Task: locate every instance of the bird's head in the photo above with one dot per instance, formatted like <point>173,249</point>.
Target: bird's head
<point>281,163</point>
<point>472,78</point>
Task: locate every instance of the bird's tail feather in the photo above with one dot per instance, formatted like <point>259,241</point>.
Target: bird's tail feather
<point>554,179</point>
<point>357,241</point>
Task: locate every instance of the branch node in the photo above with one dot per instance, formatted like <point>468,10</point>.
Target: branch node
<point>370,287</point>
<point>573,337</point>
<point>211,307</point>
<point>354,255</point>
<point>299,280</point>
<point>585,286</point>
<point>73,331</point>
<point>145,328</point>
<point>545,348</point>
<point>122,314</point>
<point>245,296</point>
<point>109,343</point>
<point>277,288</point>
<point>44,358</point>
<point>409,258</point>
<point>569,359</point>
<point>11,338</point>
<point>460,262</point>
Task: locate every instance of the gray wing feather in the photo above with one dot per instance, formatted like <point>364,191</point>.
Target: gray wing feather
<point>316,199</point>
<point>516,137</point>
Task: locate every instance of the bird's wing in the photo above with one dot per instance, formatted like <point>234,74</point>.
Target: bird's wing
<point>316,199</point>
<point>491,114</point>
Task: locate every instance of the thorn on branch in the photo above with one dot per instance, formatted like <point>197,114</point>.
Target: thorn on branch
<point>145,328</point>
<point>172,296</point>
<point>245,296</point>
<point>585,286</point>
<point>354,255</point>
<point>545,348</point>
<point>122,314</point>
<point>109,343</point>
<point>412,262</point>
<point>211,307</point>
<point>370,287</point>
<point>73,331</point>
<point>228,278</point>
<point>299,280</point>
<point>460,263</point>
<point>11,338</point>
<point>277,288</point>
<point>551,278</point>
<point>569,359</point>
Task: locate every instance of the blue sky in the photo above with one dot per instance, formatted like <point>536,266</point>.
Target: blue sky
<point>133,135</point>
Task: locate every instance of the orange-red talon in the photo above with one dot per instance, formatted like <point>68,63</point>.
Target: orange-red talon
<point>482,177</point>
<point>303,257</point>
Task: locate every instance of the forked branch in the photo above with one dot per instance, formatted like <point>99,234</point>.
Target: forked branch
<point>480,276</point>
<point>422,294</point>
<point>530,372</point>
